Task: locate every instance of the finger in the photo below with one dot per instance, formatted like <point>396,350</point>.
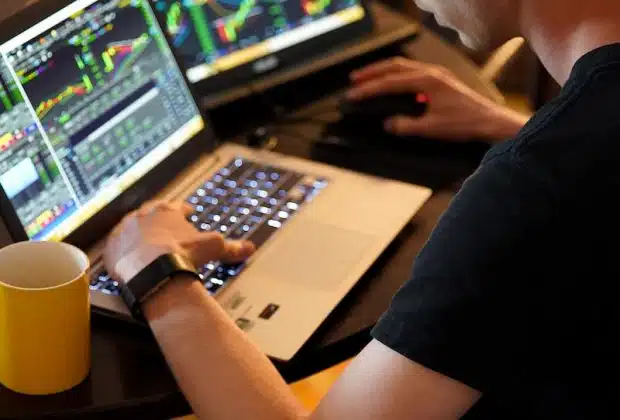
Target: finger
<point>179,206</point>
<point>150,206</point>
<point>407,126</point>
<point>238,251</point>
<point>187,209</point>
<point>381,68</point>
<point>390,84</point>
<point>205,247</point>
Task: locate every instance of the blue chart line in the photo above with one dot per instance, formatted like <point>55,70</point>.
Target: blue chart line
<point>177,24</point>
<point>234,3</point>
<point>188,3</point>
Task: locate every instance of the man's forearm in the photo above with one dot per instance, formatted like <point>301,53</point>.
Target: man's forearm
<point>222,374</point>
<point>502,123</point>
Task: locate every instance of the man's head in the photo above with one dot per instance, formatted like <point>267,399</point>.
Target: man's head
<point>480,23</point>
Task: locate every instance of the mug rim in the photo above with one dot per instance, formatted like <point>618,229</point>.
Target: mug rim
<point>73,248</point>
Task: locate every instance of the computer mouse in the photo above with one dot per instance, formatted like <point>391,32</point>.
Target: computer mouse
<point>362,122</point>
<point>379,108</point>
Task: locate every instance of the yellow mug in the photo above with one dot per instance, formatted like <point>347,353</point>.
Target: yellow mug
<point>44,317</point>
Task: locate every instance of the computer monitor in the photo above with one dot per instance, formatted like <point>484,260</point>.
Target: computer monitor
<point>226,43</point>
<point>92,101</point>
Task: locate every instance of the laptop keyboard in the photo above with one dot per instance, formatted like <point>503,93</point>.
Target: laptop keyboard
<point>243,200</point>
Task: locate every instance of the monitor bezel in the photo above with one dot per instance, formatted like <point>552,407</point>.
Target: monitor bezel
<point>98,226</point>
<point>286,58</point>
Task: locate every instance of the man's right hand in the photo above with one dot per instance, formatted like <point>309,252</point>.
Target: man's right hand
<point>456,112</point>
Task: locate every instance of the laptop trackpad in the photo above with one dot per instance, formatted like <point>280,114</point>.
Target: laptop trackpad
<point>312,254</point>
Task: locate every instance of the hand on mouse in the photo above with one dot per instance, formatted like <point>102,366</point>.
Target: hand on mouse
<point>455,111</point>
<point>159,228</point>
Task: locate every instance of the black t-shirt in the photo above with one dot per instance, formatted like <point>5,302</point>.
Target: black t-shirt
<point>515,292</point>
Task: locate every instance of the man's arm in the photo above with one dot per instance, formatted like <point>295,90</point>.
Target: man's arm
<point>459,317</point>
<point>225,376</point>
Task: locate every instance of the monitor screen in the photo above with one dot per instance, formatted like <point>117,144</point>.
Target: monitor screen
<point>218,35</point>
<point>91,99</point>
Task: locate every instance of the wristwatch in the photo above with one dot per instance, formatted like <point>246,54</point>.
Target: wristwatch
<point>152,278</point>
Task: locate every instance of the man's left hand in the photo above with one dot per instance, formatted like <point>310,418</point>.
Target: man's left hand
<point>160,228</point>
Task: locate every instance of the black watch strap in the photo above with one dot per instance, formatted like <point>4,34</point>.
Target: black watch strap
<point>152,278</point>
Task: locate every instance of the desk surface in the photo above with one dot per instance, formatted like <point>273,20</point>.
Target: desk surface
<point>129,375</point>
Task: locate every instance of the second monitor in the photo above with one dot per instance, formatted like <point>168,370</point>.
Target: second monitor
<point>227,43</point>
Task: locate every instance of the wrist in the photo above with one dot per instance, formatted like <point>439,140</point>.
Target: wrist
<point>134,262</point>
<point>156,277</point>
<point>500,123</point>
<point>179,295</point>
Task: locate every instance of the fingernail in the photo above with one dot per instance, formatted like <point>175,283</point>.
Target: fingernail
<point>351,94</point>
<point>389,126</point>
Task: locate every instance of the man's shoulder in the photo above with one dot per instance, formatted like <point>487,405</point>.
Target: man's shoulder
<point>582,118</point>
<point>572,141</point>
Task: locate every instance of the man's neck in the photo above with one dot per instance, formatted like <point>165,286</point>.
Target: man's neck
<point>560,32</point>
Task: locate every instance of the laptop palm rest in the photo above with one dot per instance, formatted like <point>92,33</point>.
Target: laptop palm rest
<point>313,255</point>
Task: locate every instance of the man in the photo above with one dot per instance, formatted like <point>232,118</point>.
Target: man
<point>510,311</point>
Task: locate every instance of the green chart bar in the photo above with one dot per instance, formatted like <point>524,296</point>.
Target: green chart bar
<point>6,101</point>
<point>88,85</point>
<point>151,22</point>
<point>79,62</point>
<point>202,28</point>
<point>15,93</point>
<point>107,62</point>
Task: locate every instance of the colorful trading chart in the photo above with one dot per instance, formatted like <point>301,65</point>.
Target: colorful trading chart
<point>204,31</point>
<point>81,105</point>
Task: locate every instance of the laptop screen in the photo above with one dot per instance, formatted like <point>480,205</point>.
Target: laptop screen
<point>219,35</point>
<point>91,99</point>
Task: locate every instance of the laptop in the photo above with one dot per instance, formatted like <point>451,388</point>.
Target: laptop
<point>97,116</point>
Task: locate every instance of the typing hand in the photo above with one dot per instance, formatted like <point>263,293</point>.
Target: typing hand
<point>455,112</point>
<point>160,228</point>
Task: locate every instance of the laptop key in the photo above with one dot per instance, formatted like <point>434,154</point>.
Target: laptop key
<point>213,285</point>
<point>229,183</point>
<point>210,200</point>
<point>260,194</point>
<point>251,184</point>
<point>236,234</point>
<point>234,269</point>
<point>287,185</point>
<point>275,174</point>
<point>94,280</point>
<point>233,200</point>
<point>110,288</point>
<point>221,273</point>
<point>238,168</point>
<point>241,192</point>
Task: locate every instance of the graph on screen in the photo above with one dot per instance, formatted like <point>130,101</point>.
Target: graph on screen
<point>28,173</point>
<point>204,31</point>
<point>102,91</point>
